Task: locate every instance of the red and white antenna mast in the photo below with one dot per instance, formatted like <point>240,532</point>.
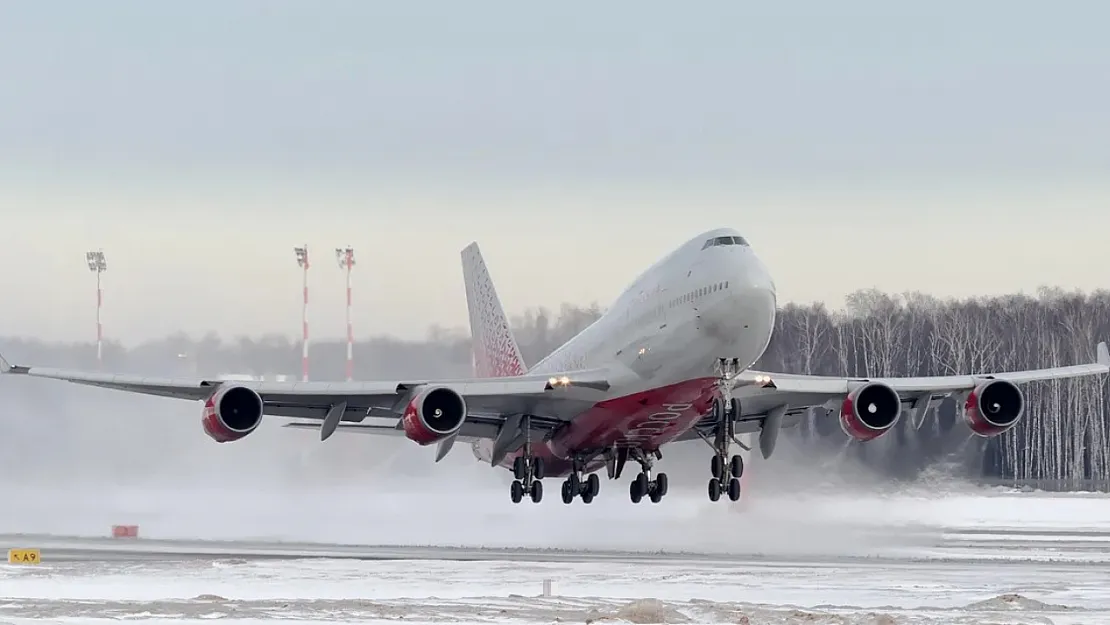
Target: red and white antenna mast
<point>302,260</point>
<point>346,259</point>
<point>98,265</point>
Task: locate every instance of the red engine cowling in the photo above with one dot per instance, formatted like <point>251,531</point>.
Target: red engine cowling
<point>870,411</point>
<point>231,413</point>
<point>436,413</point>
<point>994,407</point>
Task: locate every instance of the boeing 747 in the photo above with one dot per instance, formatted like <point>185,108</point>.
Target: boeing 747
<point>670,361</point>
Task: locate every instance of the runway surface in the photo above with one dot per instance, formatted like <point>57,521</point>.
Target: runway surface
<point>1046,561</point>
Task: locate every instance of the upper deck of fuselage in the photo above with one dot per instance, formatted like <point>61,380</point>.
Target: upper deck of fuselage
<point>675,264</point>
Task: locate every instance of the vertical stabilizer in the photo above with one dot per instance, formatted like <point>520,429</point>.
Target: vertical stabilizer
<point>496,354</point>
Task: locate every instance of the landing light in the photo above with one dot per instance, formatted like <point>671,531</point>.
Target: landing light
<point>763,379</point>
<point>563,381</point>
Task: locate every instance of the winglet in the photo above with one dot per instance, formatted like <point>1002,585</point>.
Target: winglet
<point>1103,354</point>
<point>4,366</point>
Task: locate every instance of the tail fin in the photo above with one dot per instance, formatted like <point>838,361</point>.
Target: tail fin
<point>496,354</point>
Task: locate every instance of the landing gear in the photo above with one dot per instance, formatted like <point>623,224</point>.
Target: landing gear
<point>575,486</point>
<point>643,485</point>
<point>528,471</point>
<point>726,412</point>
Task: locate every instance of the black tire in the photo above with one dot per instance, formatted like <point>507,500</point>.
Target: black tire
<point>655,497</point>
<point>575,485</point>
<point>736,466</point>
<point>717,467</point>
<point>714,489</point>
<point>516,491</point>
<point>587,498</point>
<point>643,484</point>
<point>593,485</point>
<point>538,469</point>
<point>519,467</point>
<point>734,409</point>
<point>734,489</point>
<point>568,496</point>
<point>661,484</point>
<point>537,491</point>
<point>634,492</point>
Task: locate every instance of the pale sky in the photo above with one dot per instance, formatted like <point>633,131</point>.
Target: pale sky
<point>951,147</point>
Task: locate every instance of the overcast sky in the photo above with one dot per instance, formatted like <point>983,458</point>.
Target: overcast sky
<point>952,147</point>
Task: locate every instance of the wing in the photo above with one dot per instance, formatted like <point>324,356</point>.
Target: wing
<point>770,401</point>
<point>491,404</point>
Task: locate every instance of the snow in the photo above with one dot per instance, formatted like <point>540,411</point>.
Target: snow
<point>985,556</point>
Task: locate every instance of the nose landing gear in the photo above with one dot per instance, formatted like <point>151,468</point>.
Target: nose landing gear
<point>726,472</point>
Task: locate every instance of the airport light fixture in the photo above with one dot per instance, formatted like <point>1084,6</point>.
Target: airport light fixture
<point>98,265</point>
<point>303,262</point>
<point>345,258</point>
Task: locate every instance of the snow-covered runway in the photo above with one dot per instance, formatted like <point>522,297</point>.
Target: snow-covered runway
<point>991,557</point>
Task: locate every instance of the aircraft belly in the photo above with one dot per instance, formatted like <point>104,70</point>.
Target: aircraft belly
<point>645,419</point>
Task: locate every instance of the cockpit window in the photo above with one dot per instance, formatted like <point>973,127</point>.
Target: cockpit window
<point>725,241</point>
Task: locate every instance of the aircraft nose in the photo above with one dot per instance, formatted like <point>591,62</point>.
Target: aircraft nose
<point>756,297</point>
<point>755,280</point>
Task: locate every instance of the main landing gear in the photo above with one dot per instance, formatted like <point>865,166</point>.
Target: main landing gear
<point>528,470</point>
<point>726,471</point>
<point>579,485</point>
<point>643,485</point>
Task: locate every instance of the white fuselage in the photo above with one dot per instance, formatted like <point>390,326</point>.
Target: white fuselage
<point>693,306</point>
<point>659,343</point>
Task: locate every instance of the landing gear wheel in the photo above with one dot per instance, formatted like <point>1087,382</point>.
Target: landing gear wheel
<point>593,486</point>
<point>537,491</point>
<point>516,491</point>
<point>634,492</point>
<point>520,467</point>
<point>733,409</point>
<point>717,467</point>
<point>587,497</point>
<point>538,468</point>
<point>714,489</point>
<point>655,496</point>
<point>736,466</point>
<point>568,494</point>
<point>574,484</point>
<point>661,485</point>
<point>733,489</point>
<point>642,484</point>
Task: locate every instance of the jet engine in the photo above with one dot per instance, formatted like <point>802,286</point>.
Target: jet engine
<point>436,413</point>
<point>231,413</point>
<point>870,411</point>
<point>994,407</point>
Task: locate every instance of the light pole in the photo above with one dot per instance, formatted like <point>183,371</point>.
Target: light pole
<point>98,265</point>
<point>345,257</point>
<point>302,260</point>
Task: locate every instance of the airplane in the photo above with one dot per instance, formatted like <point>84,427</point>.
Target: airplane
<point>670,361</point>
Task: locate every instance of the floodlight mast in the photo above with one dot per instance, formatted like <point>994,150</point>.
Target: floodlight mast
<point>302,260</point>
<point>345,257</point>
<point>98,265</point>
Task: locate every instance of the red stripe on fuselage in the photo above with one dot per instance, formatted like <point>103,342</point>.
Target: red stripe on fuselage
<point>646,420</point>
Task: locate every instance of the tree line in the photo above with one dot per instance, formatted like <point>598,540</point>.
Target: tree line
<point>1063,437</point>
